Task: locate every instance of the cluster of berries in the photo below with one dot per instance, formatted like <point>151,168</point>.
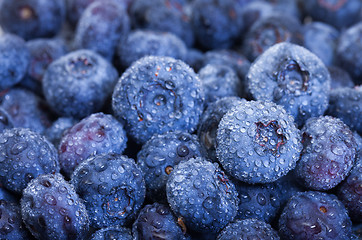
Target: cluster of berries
<point>180,119</point>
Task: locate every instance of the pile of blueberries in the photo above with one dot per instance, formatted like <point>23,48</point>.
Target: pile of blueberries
<point>180,119</point>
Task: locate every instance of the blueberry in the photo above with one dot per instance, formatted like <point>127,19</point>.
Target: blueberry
<point>217,24</point>
<point>348,51</point>
<point>321,39</point>
<point>56,131</point>
<point>340,14</point>
<point>11,224</point>
<point>158,94</point>
<point>228,57</point>
<point>239,63</point>
<point>42,53</point>
<point>14,58</point>
<point>269,31</point>
<point>101,26</point>
<point>24,156</point>
<point>209,122</point>
<point>51,209</point>
<point>163,15</point>
<point>248,229</point>
<point>140,43</point>
<point>75,8</point>
<point>339,78</point>
<point>346,104</point>
<point>219,81</point>
<point>95,134</point>
<point>113,188</point>
<point>194,58</point>
<point>350,190</point>
<point>78,83</point>
<point>156,221</point>
<point>199,192</point>
<point>255,10</point>
<point>32,18</point>
<point>160,154</point>
<point>259,201</point>
<point>112,233</point>
<point>292,77</point>
<point>26,110</point>
<point>314,215</point>
<point>329,151</point>
<point>257,142</point>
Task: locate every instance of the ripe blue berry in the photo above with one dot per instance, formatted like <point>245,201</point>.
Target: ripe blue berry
<point>78,83</point>
<point>199,192</point>
<point>248,229</point>
<point>51,209</point>
<point>292,77</point>
<point>258,142</point>
<point>329,151</point>
<point>24,155</point>
<point>161,154</point>
<point>158,94</point>
<point>113,188</point>
<point>14,58</point>
<point>95,134</point>
<point>314,215</point>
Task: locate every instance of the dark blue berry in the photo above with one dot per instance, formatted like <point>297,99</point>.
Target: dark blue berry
<point>259,201</point>
<point>42,53</point>
<point>340,13</point>
<point>51,209</point>
<point>199,192</point>
<point>163,15</point>
<point>11,224</point>
<point>56,131</point>
<point>24,155</point>
<point>75,8</point>
<point>95,134</point>
<point>292,77</point>
<point>329,151</point>
<point>314,215</point>
<point>113,188</point>
<point>339,78</point>
<point>255,10</point>
<point>350,190</point>
<point>230,58</point>
<point>32,18</point>
<point>346,104</point>
<point>142,43</point>
<point>14,58</point>
<point>269,31</point>
<point>161,154</point>
<point>248,229</point>
<point>112,233</point>
<point>258,142</point>
<point>219,81</point>
<point>101,26</point>
<point>26,110</point>
<point>217,24</point>
<point>349,51</point>
<point>156,221</point>
<point>158,94</point>
<point>79,83</point>
<point>321,39</point>
<point>209,123</point>
<point>233,59</point>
